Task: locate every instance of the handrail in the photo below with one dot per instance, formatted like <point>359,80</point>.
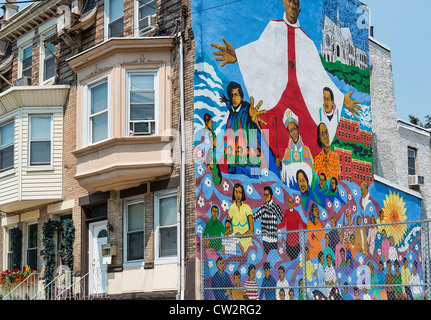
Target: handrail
<point>46,286</point>
<point>20,285</point>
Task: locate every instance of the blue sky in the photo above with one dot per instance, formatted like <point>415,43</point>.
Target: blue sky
<point>405,27</point>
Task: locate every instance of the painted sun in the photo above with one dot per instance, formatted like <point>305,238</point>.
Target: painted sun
<point>394,212</point>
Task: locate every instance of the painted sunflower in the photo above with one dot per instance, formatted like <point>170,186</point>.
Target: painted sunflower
<point>395,212</point>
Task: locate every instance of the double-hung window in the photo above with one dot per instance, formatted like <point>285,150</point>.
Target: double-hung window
<point>115,20</point>
<point>166,226</point>
<point>32,245</point>
<point>26,62</point>
<point>142,87</point>
<point>411,154</point>
<point>48,57</point>
<point>98,107</point>
<point>146,15</point>
<point>7,133</point>
<point>134,230</point>
<point>40,140</point>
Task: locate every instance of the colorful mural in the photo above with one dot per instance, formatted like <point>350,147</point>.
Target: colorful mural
<point>283,141</point>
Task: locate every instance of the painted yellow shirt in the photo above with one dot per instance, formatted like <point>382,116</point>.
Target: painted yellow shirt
<point>239,218</point>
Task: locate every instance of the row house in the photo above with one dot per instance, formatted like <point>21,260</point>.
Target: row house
<point>92,126</point>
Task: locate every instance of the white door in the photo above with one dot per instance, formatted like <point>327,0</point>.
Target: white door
<point>97,281</point>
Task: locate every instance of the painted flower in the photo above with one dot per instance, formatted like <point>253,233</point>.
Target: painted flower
<point>225,186</point>
<point>200,229</point>
<point>354,208</point>
<point>342,193</point>
<point>355,192</point>
<point>349,196</point>
<point>199,153</point>
<point>243,270</point>
<point>329,205</point>
<point>201,170</point>
<point>324,215</point>
<point>265,172</point>
<point>253,256</point>
<point>249,189</point>
<point>280,250</point>
<point>259,274</point>
<point>336,204</point>
<point>277,191</point>
<point>231,267</point>
<point>225,205</point>
<point>210,263</point>
<point>208,182</point>
<point>297,200</point>
<point>394,211</point>
<point>201,202</point>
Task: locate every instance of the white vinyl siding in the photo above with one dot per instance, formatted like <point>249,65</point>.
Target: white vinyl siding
<point>44,181</point>
<point>25,182</point>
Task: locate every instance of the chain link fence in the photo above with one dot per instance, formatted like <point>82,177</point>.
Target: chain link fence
<point>378,261</point>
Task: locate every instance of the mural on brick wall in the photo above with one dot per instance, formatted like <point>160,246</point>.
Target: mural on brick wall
<point>283,141</point>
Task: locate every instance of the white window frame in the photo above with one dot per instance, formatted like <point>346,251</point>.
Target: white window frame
<point>157,197</point>
<point>42,55</point>
<point>87,132</point>
<point>7,243</point>
<point>27,234</point>
<point>13,144</point>
<point>21,57</point>
<point>51,140</point>
<point>137,31</point>
<point>415,151</point>
<point>107,19</point>
<point>155,73</point>
<point>127,203</point>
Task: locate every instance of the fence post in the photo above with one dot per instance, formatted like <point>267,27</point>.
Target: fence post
<point>202,268</point>
<point>304,268</point>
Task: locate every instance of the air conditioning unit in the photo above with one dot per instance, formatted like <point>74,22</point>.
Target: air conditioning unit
<point>147,23</point>
<point>23,81</point>
<point>415,180</point>
<point>142,127</point>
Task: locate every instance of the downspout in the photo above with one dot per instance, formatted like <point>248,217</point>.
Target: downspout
<point>182,170</point>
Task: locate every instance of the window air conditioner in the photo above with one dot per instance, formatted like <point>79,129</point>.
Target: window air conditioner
<point>415,180</point>
<point>141,128</point>
<point>146,23</point>
<point>23,81</point>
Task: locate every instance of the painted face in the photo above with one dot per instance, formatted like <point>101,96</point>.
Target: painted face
<point>327,102</point>
<point>324,135</point>
<point>238,194</point>
<point>252,274</point>
<point>302,183</point>
<point>214,213</point>
<point>316,212</point>
<point>292,8</point>
<point>322,181</point>
<point>267,196</point>
<point>210,124</point>
<point>293,131</point>
<point>237,279</point>
<point>290,202</point>
<point>236,98</point>
<point>220,265</point>
<point>281,274</point>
